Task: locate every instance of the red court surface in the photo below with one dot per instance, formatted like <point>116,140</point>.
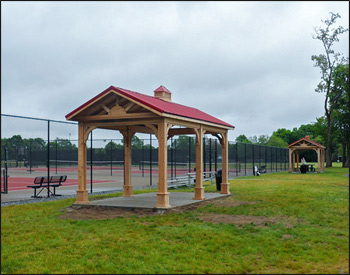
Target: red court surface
<point>107,169</point>
<point>19,183</point>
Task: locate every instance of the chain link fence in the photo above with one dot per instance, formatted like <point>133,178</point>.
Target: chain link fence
<point>30,153</point>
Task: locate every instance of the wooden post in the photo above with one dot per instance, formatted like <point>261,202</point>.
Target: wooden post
<point>82,192</point>
<point>199,189</point>
<point>225,186</point>
<point>297,160</point>
<point>290,160</point>
<point>293,160</point>
<point>322,159</point>
<point>128,188</point>
<point>163,194</point>
<point>319,168</point>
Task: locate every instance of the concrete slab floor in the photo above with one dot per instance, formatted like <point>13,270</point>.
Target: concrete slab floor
<point>149,200</point>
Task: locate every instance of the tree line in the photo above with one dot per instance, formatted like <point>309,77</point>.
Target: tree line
<point>332,130</point>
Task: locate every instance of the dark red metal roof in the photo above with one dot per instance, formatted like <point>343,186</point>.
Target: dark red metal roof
<point>158,105</point>
<point>307,138</point>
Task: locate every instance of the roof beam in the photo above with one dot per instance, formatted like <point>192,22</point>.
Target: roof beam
<point>105,108</point>
<point>128,106</point>
<point>121,116</point>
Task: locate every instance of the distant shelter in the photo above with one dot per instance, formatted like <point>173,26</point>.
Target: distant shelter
<point>306,143</point>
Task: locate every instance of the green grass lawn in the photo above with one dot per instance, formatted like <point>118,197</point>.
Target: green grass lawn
<point>310,235</point>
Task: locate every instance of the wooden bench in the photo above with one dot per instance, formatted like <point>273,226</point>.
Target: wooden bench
<point>262,169</point>
<point>190,179</point>
<point>42,183</point>
<point>180,181</point>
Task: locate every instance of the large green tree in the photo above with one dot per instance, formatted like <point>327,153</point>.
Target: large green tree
<point>342,109</point>
<point>242,139</point>
<point>327,62</point>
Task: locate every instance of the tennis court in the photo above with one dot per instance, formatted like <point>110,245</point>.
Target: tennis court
<point>20,183</point>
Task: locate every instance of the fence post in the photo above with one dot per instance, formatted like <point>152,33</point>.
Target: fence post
<point>150,159</point>
<point>276,159</point>
<point>245,159</point>
<point>216,155</point>
<point>209,154</point>
<point>56,156</point>
<point>175,156</point>
<point>91,166</point>
<point>189,154</point>
<point>271,159</point>
<point>48,158</point>
<point>30,156</point>
<point>253,158</point>
<point>204,158</point>
<point>266,157</point>
<point>237,159</point>
<point>142,158</point>
<point>171,158</point>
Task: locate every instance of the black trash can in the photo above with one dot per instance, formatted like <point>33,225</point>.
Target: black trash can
<point>218,179</point>
<point>303,169</point>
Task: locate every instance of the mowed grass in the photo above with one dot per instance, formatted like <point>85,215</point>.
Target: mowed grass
<point>311,234</point>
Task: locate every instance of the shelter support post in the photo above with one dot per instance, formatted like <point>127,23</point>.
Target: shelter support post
<point>319,161</point>
<point>293,161</point>
<point>290,160</point>
<point>199,189</point>
<point>322,159</point>
<point>297,160</point>
<point>225,186</point>
<point>128,188</point>
<point>82,192</point>
<point>163,194</point>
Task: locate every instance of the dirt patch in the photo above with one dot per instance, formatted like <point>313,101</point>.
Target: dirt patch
<point>238,220</point>
<point>102,213</point>
<point>90,212</point>
<point>228,202</point>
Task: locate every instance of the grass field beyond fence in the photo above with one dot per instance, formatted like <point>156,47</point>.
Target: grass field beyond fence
<point>306,230</point>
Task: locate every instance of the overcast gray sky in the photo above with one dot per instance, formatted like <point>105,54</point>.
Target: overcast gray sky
<point>246,63</point>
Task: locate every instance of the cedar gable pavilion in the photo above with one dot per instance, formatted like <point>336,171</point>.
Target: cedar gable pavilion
<point>306,143</point>
<point>130,112</point>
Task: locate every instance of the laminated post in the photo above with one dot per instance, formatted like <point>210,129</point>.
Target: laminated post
<point>290,161</point>
<point>163,194</point>
<point>128,188</point>
<point>199,189</point>
<point>82,193</point>
<point>225,186</point>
